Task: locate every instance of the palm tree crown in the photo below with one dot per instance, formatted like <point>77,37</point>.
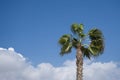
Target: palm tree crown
<point>69,41</point>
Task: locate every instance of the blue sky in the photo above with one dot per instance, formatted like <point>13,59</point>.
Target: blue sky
<point>33,27</point>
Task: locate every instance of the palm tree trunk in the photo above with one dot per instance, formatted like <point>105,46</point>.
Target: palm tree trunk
<point>79,63</point>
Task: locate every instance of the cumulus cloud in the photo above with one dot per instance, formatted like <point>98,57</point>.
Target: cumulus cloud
<point>101,71</point>
<point>13,66</point>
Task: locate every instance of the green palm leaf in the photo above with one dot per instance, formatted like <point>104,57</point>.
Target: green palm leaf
<point>65,49</point>
<point>74,28</point>
<point>75,42</point>
<point>95,34</point>
<point>64,39</point>
<point>96,46</point>
<point>66,45</point>
<point>78,29</point>
<point>86,52</point>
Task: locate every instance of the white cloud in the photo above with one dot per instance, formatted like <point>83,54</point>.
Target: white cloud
<point>11,49</point>
<point>101,71</point>
<point>13,66</point>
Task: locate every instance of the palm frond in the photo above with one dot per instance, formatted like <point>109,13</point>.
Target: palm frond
<point>74,28</point>
<point>95,34</point>
<point>75,42</point>
<point>66,45</point>
<point>65,49</point>
<point>64,39</point>
<point>86,52</point>
<point>96,46</point>
<point>78,29</point>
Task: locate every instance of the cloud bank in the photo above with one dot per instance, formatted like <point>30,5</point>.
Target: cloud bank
<point>14,66</point>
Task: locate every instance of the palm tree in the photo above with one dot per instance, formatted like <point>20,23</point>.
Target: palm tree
<point>78,40</point>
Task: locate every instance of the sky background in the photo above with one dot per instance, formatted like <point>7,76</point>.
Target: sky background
<point>33,27</point>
